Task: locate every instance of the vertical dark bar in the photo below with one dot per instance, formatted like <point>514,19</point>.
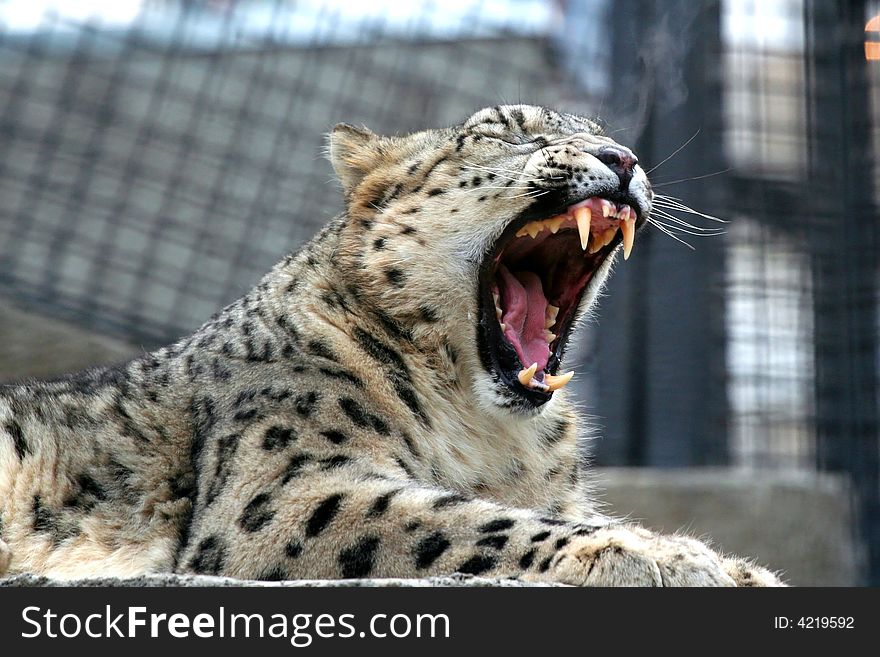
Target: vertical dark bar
<point>845,252</point>
<point>661,343</point>
<point>617,362</point>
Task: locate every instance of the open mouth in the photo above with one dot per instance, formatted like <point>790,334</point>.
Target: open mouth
<point>532,285</point>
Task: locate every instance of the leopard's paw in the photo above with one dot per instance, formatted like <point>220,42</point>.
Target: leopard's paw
<point>636,557</point>
<point>746,573</point>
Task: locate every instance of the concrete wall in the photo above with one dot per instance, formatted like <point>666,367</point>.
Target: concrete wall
<point>800,523</point>
<point>34,346</point>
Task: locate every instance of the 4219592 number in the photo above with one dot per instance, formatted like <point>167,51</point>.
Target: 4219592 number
<point>814,623</point>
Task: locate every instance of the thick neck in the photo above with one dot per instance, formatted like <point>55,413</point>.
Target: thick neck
<point>326,300</point>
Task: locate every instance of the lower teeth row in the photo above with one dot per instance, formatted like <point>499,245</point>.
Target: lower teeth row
<point>527,375</point>
<point>551,383</point>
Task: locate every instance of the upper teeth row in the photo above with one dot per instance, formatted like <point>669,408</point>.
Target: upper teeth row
<point>595,239</point>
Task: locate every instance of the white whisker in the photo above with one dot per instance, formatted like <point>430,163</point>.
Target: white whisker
<point>683,180</point>
<point>494,173</point>
<point>492,169</point>
<point>685,224</point>
<point>685,231</point>
<point>498,172</point>
<point>681,207</point>
<point>532,194</point>
<point>481,187</point>
<point>677,203</point>
<point>667,232</point>
<point>674,153</point>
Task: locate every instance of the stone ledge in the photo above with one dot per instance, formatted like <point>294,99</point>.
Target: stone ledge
<point>163,579</point>
<point>799,522</point>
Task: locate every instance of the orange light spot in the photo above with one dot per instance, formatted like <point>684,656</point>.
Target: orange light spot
<point>872,39</point>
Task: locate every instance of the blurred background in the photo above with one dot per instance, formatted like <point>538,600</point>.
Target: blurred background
<point>158,156</point>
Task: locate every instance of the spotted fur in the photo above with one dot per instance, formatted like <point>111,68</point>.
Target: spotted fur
<point>338,421</point>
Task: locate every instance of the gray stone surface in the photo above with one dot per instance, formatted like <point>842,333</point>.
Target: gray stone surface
<point>203,580</point>
<point>798,522</point>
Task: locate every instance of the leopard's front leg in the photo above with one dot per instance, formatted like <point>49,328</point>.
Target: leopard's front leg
<point>326,525</point>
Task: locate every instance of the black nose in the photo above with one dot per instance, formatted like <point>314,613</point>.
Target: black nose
<point>621,161</point>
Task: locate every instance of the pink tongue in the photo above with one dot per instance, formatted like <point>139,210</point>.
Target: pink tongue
<point>525,307</point>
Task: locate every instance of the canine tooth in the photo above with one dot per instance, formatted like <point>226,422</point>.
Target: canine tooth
<point>525,376</point>
<point>628,228</point>
<point>555,222</point>
<point>583,217</point>
<point>557,382</point>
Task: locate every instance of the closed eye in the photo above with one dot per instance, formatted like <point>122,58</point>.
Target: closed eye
<point>504,140</point>
<point>519,141</point>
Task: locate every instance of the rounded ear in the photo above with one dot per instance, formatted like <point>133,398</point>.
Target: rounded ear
<point>353,152</point>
